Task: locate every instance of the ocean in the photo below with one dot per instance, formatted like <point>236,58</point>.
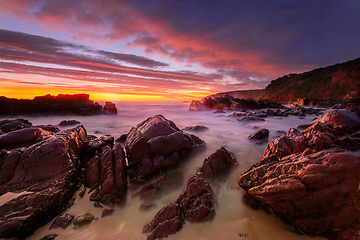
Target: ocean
<point>233,219</point>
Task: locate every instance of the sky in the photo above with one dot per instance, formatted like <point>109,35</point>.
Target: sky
<point>165,50</point>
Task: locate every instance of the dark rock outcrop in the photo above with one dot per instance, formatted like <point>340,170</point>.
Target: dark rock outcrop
<point>63,220</point>
<point>68,123</point>
<point>8,125</point>
<point>230,103</point>
<point>196,203</point>
<point>49,171</point>
<point>340,118</point>
<point>260,134</point>
<point>107,175</point>
<point>315,193</point>
<point>110,108</point>
<point>196,128</point>
<point>78,104</point>
<point>23,137</point>
<point>157,145</point>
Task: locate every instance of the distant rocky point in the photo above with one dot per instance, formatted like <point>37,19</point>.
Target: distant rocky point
<point>322,87</point>
<point>77,104</point>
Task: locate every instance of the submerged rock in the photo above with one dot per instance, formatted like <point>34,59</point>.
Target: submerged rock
<point>196,128</point>
<point>260,134</point>
<point>69,123</point>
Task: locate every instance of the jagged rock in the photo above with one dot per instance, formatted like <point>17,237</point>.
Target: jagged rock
<point>49,171</point>
<point>68,123</point>
<point>107,173</point>
<point>23,137</point>
<point>196,203</point>
<point>217,163</point>
<point>315,193</point>
<point>250,118</point>
<point>110,108</point>
<point>292,142</point>
<point>63,220</point>
<point>82,220</point>
<point>157,145</point>
<point>260,134</point>
<point>96,144</point>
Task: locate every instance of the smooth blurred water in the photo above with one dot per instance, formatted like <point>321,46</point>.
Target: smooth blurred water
<point>233,219</point>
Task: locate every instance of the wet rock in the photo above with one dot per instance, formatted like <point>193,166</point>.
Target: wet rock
<point>49,127</point>
<point>49,171</point>
<point>68,123</point>
<point>63,220</point>
<point>8,125</point>
<point>150,192</point>
<point>292,142</point>
<point>122,138</point>
<point>146,205</point>
<point>196,203</point>
<point>196,128</point>
<point>156,145</point>
<point>218,162</point>
<point>96,144</point>
<point>107,212</point>
<point>260,134</point>
<point>49,237</point>
<point>107,174</point>
<point>338,118</point>
<point>347,143</point>
<point>83,220</point>
<point>315,193</point>
<point>23,137</point>
<point>110,108</point>
<point>168,220</point>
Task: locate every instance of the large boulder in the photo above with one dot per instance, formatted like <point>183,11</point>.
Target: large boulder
<point>157,145</point>
<point>339,118</point>
<point>9,125</point>
<point>315,193</point>
<point>49,170</point>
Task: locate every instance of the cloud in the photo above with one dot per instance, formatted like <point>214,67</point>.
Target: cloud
<point>243,44</point>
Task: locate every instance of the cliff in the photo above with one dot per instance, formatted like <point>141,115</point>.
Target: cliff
<point>340,81</point>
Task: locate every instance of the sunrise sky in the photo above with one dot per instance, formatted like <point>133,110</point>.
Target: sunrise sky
<point>167,50</point>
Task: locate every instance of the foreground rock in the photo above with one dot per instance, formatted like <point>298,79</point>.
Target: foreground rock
<point>157,145</point>
<point>23,137</point>
<point>309,179</point>
<point>78,104</point>
<point>315,193</point>
<point>196,203</point>
<point>107,175</point>
<point>49,171</point>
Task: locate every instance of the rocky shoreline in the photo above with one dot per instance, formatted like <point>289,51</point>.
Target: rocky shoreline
<point>77,104</point>
<point>309,179</point>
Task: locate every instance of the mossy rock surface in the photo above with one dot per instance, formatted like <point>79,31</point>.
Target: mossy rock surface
<point>83,220</point>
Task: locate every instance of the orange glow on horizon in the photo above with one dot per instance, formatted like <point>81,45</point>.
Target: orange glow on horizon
<point>30,93</point>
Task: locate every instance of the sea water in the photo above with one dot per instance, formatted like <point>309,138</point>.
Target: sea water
<point>233,219</point>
